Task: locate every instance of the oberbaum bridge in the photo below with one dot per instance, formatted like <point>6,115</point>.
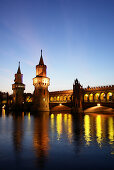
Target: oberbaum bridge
<point>76,100</point>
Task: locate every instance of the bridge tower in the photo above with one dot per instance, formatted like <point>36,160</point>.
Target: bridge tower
<point>18,88</point>
<point>77,96</point>
<point>41,83</point>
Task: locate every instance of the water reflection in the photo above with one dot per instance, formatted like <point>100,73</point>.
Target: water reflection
<point>47,139</point>
<point>41,138</point>
<point>99,130</point>
<point>111,129</point>
<point>61,123</point>
<point>99,127</point>
<point>87,129</point>
<point>18,132</point>
<point>3,113</point>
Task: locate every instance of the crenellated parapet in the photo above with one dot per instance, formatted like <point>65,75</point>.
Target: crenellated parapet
<point>109,87</point>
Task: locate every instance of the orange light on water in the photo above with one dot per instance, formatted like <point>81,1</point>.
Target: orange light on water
<point>87,129</point>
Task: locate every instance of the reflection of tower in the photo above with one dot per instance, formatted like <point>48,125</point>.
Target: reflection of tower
<point>41,138</point>
<point>18,87</point>
<point>41,83</point>
<point>77,131</point>
<point>17,132</point>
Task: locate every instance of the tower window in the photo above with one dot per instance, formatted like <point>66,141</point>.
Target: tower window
<point>44,92</point>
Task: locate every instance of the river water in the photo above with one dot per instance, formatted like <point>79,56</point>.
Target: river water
<point>57,141</point>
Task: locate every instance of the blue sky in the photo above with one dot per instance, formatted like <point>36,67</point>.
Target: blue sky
<point>76,36</point>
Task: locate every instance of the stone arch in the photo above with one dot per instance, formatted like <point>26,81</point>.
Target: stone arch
<point>61,98</point>
<point>58,98</point>
<point>86,97</point>
<point>55,98</point>
<point>103,97</point>
<point>64,98</point>
<point>97,97</point>
<point>91,97</point>
<point>69,98</point>
<point>51,99</point>
<point>109,96</point>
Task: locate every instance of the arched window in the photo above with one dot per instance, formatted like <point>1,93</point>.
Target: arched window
<point>97,97</point>
<point>86,98</point>
<point>61,98</point>
<point>54,99</point>
<point>109,96</point>
<point>69,98</point>
<point>91,97</point>
<point>64,98</point>
<point>51,99</point>
<point>58,98</point>
<point>102,97</point>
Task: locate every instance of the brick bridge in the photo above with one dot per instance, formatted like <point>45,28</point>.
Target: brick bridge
<point>91,96</point>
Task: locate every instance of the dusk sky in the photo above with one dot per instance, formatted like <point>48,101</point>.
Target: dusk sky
<point>76,36</point>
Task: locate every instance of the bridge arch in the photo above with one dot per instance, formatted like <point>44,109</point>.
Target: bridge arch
<point>86,97</point>
<point>54,99</point>
<point>51,99</point>
<point>69,98</point>
<point>91,97</point>
<point>65,98</point>
<point>58,98</point>
<point>97,97</point>
<point>109,96</point>
<point>103,97</point>
<point>61,98</point>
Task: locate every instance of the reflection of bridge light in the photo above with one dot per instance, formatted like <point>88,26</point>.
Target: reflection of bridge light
<point>52,123</point>
<point>29,116</point>
<point>98,129</point>
<point>22,114</point>
<point>111,130</point>
<point>87,129</point>
<point>65,122</point>
<point>70,127</point>
<point>3,113</point>
<point>59,125</point>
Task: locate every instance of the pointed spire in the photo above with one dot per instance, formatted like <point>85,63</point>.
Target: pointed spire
<point>41,62</point>
<point>19,70</point>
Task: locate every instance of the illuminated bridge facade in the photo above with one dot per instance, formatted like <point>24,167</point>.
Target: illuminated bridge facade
<point>89,96</point>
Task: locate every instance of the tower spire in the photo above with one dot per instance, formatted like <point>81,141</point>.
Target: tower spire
<point>41,62</point>
<point>19,70</point>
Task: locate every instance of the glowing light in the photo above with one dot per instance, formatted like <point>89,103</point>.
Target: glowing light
<point>23,114</point>
<point>52,123</point>
<point>97,97</point>
<point>59,125</point>
<point>109,96</point>
<point>86,97</point>
<point>3,113</point>
<point>60,104</point>
<point>29,116</point>
<point>70,127</point>
<point>98,104</point>
<point>3,107</point>
<point>98,129</point>
<point>111,130</point>
<point>91,97</point>
<point>87,129</point>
